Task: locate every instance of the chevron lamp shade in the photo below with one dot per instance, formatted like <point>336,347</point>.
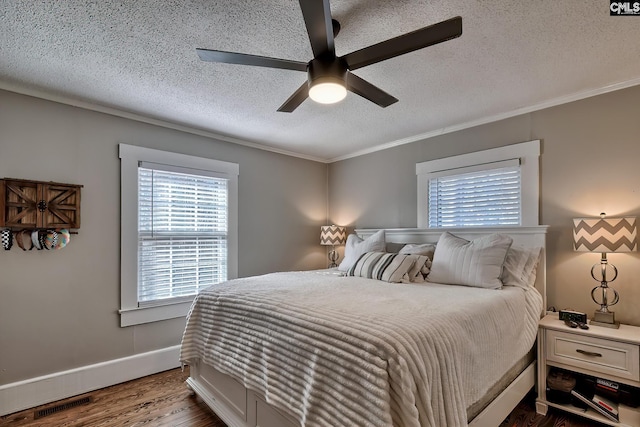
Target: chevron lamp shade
<point>605,235</point>
<point>333,235</point>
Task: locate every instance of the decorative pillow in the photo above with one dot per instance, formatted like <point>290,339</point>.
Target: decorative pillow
<point>470,263</point>
<point>425,249</point>
<point>355,247</point>
<point>419,270</point>
<point>519,265</point>
<point>531,267</point>
<point>384,266</point>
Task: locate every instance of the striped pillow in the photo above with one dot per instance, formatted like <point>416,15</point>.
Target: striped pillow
<point>383,266</point>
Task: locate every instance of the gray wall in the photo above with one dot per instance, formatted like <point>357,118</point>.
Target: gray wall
<point>589,164</point>
<point>58,309</point>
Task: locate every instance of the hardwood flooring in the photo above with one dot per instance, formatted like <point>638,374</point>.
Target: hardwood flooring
<point>157,400</point>
<point>524,415</point>
<point>163,400</point>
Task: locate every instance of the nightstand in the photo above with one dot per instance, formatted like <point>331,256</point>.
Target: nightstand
<point>610,354</point>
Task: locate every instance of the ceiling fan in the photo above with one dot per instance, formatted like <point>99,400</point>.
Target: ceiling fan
<point>329,76</point>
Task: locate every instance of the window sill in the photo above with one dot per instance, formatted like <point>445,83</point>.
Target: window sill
<point>140,315</point>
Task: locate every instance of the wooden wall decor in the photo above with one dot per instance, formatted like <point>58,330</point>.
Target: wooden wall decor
<point>26,204</point>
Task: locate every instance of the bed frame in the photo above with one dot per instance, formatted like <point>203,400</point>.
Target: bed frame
<point>239,406</point>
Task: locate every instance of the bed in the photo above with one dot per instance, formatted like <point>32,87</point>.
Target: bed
<point>317,348</point>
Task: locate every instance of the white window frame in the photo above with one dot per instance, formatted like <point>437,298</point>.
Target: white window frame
<point>130,158</point>
<point>527,153</point>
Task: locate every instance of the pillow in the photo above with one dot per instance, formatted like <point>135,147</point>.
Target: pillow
<point>384,266</point>
<point>419,270</point>
<point>478,263</point>
<point>426,249</point>
<point>531,267</point>
<point>520,266</point>
<point>355,247</point>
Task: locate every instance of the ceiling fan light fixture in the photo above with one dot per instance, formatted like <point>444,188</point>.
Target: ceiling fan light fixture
<point>327,90</point>
<point>329,76</point>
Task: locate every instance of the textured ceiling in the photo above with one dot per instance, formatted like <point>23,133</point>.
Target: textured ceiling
<point>139,57</point>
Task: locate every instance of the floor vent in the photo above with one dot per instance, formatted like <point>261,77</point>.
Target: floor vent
<point>62,407</point>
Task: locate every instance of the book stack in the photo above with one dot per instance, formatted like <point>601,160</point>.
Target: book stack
<point>598,403</point>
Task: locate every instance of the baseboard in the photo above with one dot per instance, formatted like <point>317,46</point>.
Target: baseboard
<point>26,394</point>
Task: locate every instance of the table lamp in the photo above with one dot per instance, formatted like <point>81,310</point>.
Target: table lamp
<point>333,235</point>
<point>604,235</point>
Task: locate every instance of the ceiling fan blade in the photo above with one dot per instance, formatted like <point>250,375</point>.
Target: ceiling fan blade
<point>368,91</point>
<point>296,99</point>
<point>427,36</point>
<point>317,18</point>
<point>245,59</point>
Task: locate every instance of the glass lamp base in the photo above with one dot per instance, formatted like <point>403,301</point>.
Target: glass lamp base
<point>333,257</point>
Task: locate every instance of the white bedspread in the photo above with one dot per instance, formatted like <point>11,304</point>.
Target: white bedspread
<point>347,351</point>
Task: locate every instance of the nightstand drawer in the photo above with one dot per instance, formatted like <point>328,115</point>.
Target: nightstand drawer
<point>595,354</point>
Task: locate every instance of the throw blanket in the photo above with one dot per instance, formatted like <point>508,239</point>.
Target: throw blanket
<point>346,351</point>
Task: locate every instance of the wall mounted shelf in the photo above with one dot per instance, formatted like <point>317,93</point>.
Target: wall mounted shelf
<point>26,204</point>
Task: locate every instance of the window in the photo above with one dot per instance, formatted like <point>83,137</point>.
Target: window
<point>494,187</point>
<point>178,232</point>
<point>182,232</point>
<point>490,196</point>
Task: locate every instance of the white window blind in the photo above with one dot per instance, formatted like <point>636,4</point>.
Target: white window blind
<point>485,196</point>
<point>182,232</point>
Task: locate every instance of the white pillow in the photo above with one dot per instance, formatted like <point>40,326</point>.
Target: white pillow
<point>531,267</point>
<point>383,266</point>
<point>470,263</point>
<point>355,247</point>
<point>520,266</point>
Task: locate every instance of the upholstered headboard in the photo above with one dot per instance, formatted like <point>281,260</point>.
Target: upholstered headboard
<point>533,236</point>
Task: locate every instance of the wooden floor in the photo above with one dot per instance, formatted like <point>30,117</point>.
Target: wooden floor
<point>157,400</point>
<point>163,400</point>
<point>524,415</point>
